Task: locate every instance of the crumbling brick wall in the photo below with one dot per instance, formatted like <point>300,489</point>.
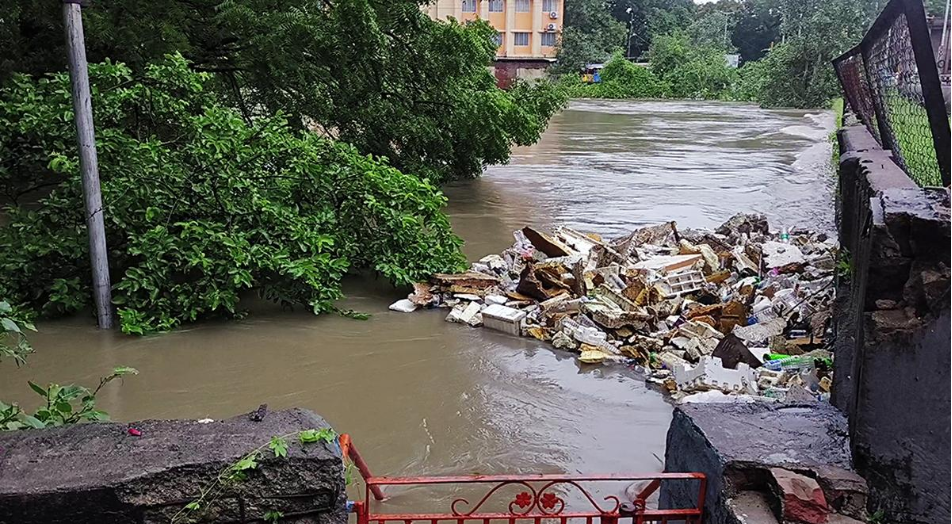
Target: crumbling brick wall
<point>892,350</point>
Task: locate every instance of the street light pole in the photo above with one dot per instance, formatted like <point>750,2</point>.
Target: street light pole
<point>88,162</point>
<point>631,31</point>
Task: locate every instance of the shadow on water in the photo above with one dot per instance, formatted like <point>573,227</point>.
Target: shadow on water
<point>421,396</point>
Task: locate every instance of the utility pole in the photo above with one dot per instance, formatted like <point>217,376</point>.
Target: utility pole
<point>631,31</point>
<point>727,44</point>
<point>88,162</point>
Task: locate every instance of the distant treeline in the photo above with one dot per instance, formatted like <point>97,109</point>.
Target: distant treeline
<point>784,46</point>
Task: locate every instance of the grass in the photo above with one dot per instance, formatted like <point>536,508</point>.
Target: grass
<point>837,106</point>
<point>910,126</point>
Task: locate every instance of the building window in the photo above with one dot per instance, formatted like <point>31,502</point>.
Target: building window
<point>498,39</point>
<point>469,6</point>
<point>550,6</point>
<point>496,6</point>
<point>522,6</point>
<point>548,39</point>
<point>520,39</point>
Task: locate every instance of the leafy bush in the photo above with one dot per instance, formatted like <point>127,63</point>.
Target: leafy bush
<point>691,71</point>
<point>590,35</point>
<point>61,405</point>
<point>200,204</point>
<point>795,74</point>
<point>13,342</point>
<point>619,79</point>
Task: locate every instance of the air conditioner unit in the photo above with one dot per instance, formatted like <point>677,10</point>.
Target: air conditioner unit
<point>554,15</point>
<point>550,27</point>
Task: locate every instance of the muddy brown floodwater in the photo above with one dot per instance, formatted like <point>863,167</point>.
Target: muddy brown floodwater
<point>423,397</point>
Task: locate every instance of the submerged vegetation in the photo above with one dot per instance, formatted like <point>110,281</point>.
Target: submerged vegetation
<point>200,204</point>
<point>260,146</point>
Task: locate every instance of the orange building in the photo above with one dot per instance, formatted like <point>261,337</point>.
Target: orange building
<point>528,31</point>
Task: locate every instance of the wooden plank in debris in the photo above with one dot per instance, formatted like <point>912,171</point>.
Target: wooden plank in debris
<point>470,279</point>
<point>546,244</point>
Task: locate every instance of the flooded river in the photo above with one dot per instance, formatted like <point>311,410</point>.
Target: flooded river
<point>421,396</point>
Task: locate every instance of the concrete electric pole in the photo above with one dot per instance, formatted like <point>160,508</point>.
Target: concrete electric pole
<point>88,162</point>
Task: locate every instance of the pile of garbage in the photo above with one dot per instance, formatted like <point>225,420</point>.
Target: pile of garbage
<point>737,311</point>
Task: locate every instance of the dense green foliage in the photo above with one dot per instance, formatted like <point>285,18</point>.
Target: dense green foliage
<point>692,71</point>
<point>798,72</point>
<point>678,70</point>
<point>377,74</point>
<point>591,35</point>
<point>785,46</point>
<point>13,342</point>
<point>619,79</point>
<point>200,205</point>
<point>647,19</point>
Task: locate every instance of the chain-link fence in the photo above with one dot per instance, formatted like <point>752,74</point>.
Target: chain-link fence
<point>891,82</point>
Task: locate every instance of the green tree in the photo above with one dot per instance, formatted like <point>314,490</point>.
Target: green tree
<point>757,28</point>
<point>201,206</point>
<point>378,74</point>
<point>590,35</point>
<point>714,25</point>
<point>619,79</point>
<point>691,71</point>
<point>646,19</point>
<point>798,72</point>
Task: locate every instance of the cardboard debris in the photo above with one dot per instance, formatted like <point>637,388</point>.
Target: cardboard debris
<point>696,310</point>
<point>422,296</point>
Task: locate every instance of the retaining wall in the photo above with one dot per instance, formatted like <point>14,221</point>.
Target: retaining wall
<point>892,324</point>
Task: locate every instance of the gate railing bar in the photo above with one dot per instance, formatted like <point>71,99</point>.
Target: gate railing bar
<point>534,477</point>
<point>535,497</point>
<point>349,451</point>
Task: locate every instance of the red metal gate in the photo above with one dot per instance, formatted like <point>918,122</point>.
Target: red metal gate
<point>536,499</point>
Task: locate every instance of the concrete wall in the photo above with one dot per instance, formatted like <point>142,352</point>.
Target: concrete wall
<point>892,352</point>
<point>735,445</point>
<point>507,71</point>
<point>96,473</point>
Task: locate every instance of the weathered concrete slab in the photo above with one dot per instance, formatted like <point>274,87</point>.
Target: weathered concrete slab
<point>735,445</point>
<point>100,473</point>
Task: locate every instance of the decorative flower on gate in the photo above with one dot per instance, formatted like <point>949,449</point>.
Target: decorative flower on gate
<point>523,499</point>
<point>549,500</point>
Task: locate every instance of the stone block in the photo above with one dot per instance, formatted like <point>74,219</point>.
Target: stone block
<point>845,490</point>
<point>801,497</point>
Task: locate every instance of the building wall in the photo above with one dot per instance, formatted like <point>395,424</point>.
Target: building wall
<point>508,22</point>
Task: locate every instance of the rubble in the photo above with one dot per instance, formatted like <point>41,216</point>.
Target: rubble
<point>741,310</point>
<point>502,318</point>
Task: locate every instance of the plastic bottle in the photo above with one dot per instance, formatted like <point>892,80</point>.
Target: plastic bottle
<point>785,236</point>
<point>797,363</point>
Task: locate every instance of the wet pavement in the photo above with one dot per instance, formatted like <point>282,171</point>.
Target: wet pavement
<point>421,396</point>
